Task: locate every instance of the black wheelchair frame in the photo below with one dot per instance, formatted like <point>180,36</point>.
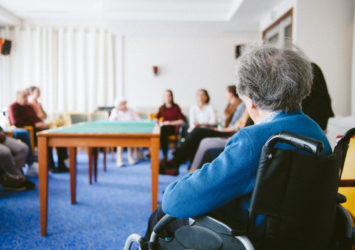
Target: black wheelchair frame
<point>283,217</point>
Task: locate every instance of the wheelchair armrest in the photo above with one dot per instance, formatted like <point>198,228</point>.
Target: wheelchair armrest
<point>214,233</point>
<point>213,224</point>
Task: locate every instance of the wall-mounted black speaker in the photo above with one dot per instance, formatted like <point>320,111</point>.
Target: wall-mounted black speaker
<point>6,46</point>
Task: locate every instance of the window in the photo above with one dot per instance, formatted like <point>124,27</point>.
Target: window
<point>280,32</point>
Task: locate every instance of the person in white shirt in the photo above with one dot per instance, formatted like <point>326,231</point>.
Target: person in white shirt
<point>122,113</point>
<point>202,114</point>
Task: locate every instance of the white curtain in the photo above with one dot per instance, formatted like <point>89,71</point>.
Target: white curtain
<point>75,68</point>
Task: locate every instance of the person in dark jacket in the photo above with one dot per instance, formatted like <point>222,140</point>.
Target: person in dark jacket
<point>318,104</point>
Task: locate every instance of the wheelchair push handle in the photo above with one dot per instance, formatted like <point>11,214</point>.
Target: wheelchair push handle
<point>350,133</point>
<point>303,143</point>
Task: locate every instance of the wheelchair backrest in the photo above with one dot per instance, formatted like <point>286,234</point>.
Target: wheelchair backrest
<point>296,192</point>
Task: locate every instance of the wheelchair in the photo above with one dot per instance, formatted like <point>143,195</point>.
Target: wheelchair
<point>296,192</point>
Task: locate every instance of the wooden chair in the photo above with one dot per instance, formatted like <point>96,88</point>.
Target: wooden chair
<point>347,184</point>
<point>9,133</point>
<point>98,116</point>
<point>74,118</point>
<point>173,140</point>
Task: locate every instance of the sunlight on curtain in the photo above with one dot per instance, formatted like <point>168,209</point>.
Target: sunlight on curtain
<point>73,67</point>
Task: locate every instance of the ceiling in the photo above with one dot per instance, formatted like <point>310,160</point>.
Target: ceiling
<point>142,16</point>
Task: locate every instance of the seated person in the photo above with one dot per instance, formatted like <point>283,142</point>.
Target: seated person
<point>123,113</point>
<point>24,136</point>
<point>169,118</point>
<point>210,148</point>
<point>187,150</point>
<point>233,103</point>
<point>13,155</point>
<point>202,114</point>
<point>34,94</point>
<point>189,147</point>
<point>267,78</point>
<point>22,114</point>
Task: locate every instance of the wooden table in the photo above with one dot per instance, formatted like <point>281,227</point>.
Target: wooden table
<point>95,134</point>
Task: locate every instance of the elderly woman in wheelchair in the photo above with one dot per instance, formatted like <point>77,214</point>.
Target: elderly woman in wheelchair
<point>282,196</point>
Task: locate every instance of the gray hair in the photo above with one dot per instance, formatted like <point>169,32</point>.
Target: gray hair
<point>274,78</point>
<point>19,92</point>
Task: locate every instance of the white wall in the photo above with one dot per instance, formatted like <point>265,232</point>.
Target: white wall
<point>323,30</point>
<point>185,65</point>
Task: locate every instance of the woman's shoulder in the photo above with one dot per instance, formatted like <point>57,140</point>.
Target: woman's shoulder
<point>173,107</point>
<point>161,108</point>
<point>176,106</point>
<point>14,105</point>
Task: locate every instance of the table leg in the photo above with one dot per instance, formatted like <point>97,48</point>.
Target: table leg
<point>90,164</point>
<point>72,168</point>
<point>154,161</point>
<point>43,182</point>
<point>96,156</point>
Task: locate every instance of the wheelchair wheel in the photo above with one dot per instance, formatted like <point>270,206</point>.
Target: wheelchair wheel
<point>133,242</point>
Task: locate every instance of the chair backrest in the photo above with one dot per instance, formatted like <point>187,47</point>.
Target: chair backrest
<point>346,148</point>
<point>341,149</point>
<point>108,109</point>
<point>296,192</point>
<point>99,116</point>
<point>30,130</point>
<point>73,118</point>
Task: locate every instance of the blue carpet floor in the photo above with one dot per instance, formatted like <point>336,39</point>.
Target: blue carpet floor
<point>105,214</point>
